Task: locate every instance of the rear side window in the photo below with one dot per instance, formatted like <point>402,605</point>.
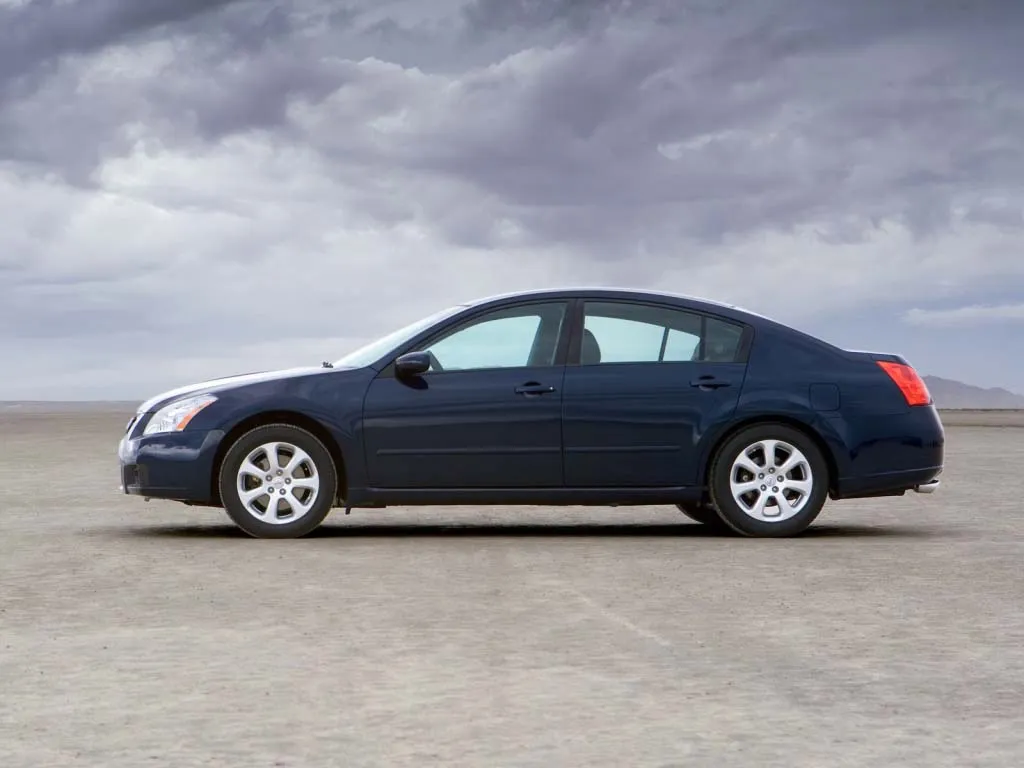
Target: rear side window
<point>627,332</point>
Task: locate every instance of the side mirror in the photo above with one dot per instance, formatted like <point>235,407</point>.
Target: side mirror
<point>412,364</point>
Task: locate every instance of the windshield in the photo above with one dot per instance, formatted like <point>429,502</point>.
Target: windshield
<point>377,349</point>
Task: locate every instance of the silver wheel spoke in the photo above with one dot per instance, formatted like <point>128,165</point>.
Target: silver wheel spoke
<point>803,487</point>
<point>741,489</point>
<point>296,503</point>
<point>794,460</point>
<point>747,463</point>
<point>273,459</point>
<point>250,469</point>
<point>273,508</point>
<point>299,458</point>
<point>248,497</point>
<point>770,448</point>
<point>760,507</point>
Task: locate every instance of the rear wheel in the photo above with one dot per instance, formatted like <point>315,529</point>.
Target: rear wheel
<point>278,482</point>
<point>704,514</point>
<point>769,480</point>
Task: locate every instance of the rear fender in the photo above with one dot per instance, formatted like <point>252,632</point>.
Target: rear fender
<point>791,379</point>
<point>818,427</point>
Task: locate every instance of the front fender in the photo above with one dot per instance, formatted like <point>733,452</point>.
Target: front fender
<point>334,404</point>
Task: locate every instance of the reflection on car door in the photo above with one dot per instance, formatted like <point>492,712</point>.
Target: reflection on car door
<point>489,417</point>
<point>649,382</point>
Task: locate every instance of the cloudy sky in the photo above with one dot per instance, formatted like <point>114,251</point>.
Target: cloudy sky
<point>191,188</point>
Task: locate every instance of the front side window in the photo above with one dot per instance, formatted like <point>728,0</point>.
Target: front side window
<point>625,332</point>
<point>509,338</point>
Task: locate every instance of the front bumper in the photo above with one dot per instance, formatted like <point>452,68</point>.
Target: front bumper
<point>174,465</point>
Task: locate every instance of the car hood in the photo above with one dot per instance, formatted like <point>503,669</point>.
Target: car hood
<point>229,382</point>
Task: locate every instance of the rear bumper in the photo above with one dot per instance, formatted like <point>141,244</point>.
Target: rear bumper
<point>175,465</point>
<point>924,480</point>
<point>891,454</point>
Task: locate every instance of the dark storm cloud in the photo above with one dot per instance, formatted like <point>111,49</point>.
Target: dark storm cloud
<point>735,115</point>
<point>237,64</point>
<point>573,138</point>
<point>44,30</point>
<point>39,90</point>
<point>879,109</point>
<point>519,15</point>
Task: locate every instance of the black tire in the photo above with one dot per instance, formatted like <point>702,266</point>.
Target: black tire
<point>320,465</point>
<point>729,508</point>
<point>704,514</point>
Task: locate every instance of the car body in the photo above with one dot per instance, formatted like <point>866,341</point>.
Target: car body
<point>554,397</point>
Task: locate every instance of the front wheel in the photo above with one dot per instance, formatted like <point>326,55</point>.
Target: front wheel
<point>769,480</point>
<point>278,482</point>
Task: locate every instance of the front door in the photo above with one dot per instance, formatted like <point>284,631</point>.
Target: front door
<point>649,382</point>
<point>488,414</point>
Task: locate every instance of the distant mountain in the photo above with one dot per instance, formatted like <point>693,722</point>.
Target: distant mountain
<point>948,393</point>
<point>68,406</point>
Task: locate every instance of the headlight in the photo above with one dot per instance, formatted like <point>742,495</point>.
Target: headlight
<point>176,416</point>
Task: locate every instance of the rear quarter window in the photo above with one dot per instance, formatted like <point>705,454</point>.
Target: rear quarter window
<point>722,341</point>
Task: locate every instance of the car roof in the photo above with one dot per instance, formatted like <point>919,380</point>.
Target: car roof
<point>636,294</point>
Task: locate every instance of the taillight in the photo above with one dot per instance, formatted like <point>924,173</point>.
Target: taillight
<point>911,385</point>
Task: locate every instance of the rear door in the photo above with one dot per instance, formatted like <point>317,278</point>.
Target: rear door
<point>644,383</point>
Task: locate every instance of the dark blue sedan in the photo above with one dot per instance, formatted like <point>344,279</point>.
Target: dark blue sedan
<point>582,397</point>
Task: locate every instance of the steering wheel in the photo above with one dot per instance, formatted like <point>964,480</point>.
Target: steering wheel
<point>435,364</point>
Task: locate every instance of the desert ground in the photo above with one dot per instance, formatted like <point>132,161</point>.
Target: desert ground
<point>135,634</point>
